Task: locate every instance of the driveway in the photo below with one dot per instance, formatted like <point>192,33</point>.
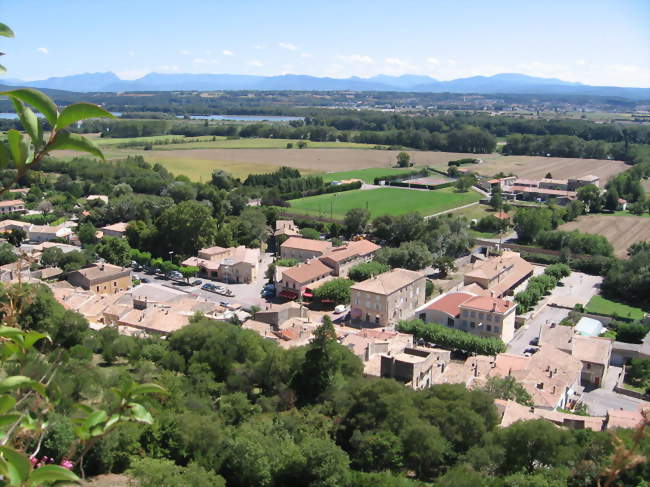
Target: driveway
<point>577,288</point>
<point>600,400</point>
<point>532,328</point>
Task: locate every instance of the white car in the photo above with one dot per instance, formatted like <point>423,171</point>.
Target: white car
<point>340,309</point>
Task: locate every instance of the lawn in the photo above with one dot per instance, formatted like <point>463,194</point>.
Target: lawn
<point>603,306</point>
<point>368,175</point>
<point>381,201</point>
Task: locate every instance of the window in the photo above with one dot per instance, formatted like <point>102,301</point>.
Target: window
<point>423,316</point>
<point>497,329</point>
<point>472,324</point>
<point>489,327</point>
<point>473,314</point>
<point>464,323</point>
<point>481,316</point>
<point>588,365</point>
<point>450,322</point>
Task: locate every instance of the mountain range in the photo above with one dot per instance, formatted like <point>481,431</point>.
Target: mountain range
<point>499,83</point>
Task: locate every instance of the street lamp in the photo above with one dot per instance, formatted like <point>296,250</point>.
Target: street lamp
<point>171,256</point>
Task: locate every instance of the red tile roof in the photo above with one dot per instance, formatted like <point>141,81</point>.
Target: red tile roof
<point>486,303</point>
<point>450,303</point>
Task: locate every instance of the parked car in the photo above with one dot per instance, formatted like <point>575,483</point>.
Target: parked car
<point>531,350</point>
<point>145,280</point>
<point>534,341</point>
<point>224,291</point>
<point>266,293</point>
<point>340,309</point>
<point>198,282</point>
<point>209,287</point>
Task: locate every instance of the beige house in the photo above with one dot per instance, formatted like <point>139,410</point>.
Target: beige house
<point>415,366</point>
<point>480,315</point>
<point>499,275</point>
<point>232,265</point>
<point>115,230</point>
<point>7,226</point>
<point>12,206</point>
<point>303,249</point>
<point>342,258</point>
<point>594,352</point>
<point>387,298</point>
<point>303,279</point>
<point>45,233</point>
<point>286,228</point>
<point>102,278</point>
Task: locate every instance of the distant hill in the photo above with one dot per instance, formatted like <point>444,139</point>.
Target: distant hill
<point>499,83</point>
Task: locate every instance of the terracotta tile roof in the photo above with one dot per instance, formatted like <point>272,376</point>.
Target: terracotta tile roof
<point>307,244</point>
<point>557,336</point>
<point>450,303</point>
<point>359,248</point>
<point>486,303</point>
<point>596,350</point>
<point>509,266</point>
<point>513,412</point>
<point>388,282</point>
<point>102,271</point>
<point>116,227</point>
<point>553,192</point>
<point>307,271</point>
<point>11,203</point>
<point>216,250</point>
<point>624,419</point>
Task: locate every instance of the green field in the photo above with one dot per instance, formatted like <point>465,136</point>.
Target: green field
<point>367,175</point>
<point>602,306</point>
<point>381,201</point>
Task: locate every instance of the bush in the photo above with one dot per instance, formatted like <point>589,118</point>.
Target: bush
<point>452,339</point>
<point>337,291</point>
<point>366,270</point>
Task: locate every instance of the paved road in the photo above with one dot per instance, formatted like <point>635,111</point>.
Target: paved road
<point>531,329</point>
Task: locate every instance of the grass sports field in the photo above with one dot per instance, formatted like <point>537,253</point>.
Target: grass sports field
<point>621,231</point>
<point>599,305</point>
<point>381,201</point>
<point>367,175</point>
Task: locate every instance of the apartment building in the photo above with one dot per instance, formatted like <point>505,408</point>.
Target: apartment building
<point>303,279</point>
<point>303,249</point>
<point>102,278</point>
<point>115,230</point>
<point>12,206</point>
<point>480,315</point>
<point>500,274</point>
<point>385,299</point>
<point>415,366</point>
<point>232,265</point>
<point>342,258</point>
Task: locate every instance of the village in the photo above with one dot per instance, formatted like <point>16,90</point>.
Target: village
<point>562,357</point>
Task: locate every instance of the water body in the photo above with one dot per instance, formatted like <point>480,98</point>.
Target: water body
<point>245,118</point>
<point>13,116</point>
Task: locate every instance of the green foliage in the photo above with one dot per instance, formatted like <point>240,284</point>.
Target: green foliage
<point>87,234</point>
<point>187,227</point>
<point>507,388</point>
<point>115,250</point>
<point>576,241</point>
<point>409,255</point>
<point>539,286</point>
<point>628,280</point>
<point>452,339</point>
<point>336,290</point>
<point>356,221</point>
<point>404,159</point>
<point>530,222</point>
<point>7,255</point>
<point>366,270</point>
<point>149,472</point>
<point>310,233</point>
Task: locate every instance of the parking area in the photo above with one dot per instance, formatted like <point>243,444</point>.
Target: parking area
<point>577,288</point>
<point>245,294</point>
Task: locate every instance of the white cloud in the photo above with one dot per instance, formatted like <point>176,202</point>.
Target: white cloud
<point>452,62</point>
<point>185,52</point>
<point>199,60</point>
<point>259,46</point>
<point>169,68</point>
<point>226,52</point>
<point>255,63</point>
<point>432,60</point>
<point>131,73</point>
<point>288,46</point>
<point>43,50</point>
<point>395,61</point>
<point>306,55</point>
<point>131,53</point>
<point>581,62</point>
<point>357,59</point>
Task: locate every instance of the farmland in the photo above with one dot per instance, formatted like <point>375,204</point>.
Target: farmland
<point>200,156</point>
<point>381,201</point>
<point>621,231</point>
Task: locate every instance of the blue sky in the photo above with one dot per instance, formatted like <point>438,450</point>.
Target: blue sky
<point>592,41</point>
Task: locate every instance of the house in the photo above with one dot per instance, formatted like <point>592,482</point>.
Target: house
<point>12,206</point>
<point>45,233</point>
<point>500,274</point>
<point>511,412</point>
<point>415,366</point>
<point>233,264</point>
<point>303,249</point>
<point>558,184</point>
<point>7,226</point>
<point>594,352</point>
<point>303,279</point>
<point>100,197</point>
<point>286,228</point>
<point>342,258</point>
<point>385,299</point>
<point>576,183</point>
<point>550,376</point>
<point>370,344</point>
<point>277,315</point>
<point>480,315</point>
<point>102,278</point>
<point>115,230</point>
<point>21,191</point>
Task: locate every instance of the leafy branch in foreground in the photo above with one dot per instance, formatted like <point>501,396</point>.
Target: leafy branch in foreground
<point>26,150</point>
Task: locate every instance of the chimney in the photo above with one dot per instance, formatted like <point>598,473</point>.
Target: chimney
<point>494,306</point>
<point>532,409</point>
<point>102,267</point>
<point>553,389</point>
